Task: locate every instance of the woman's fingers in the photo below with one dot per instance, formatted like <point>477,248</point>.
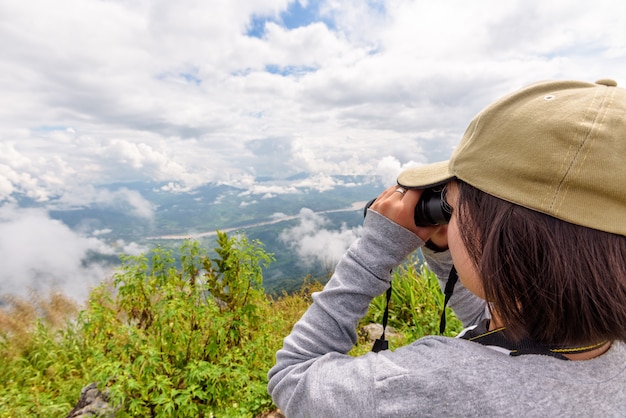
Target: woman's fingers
<point>398,204</point>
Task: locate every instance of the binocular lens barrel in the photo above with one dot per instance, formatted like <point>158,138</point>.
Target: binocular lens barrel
<point>431,209</point>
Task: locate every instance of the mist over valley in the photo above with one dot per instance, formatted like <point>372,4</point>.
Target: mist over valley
<point>73,247</point>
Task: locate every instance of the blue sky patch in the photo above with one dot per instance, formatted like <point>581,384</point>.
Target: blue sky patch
<point>257,27</point>
<point>295,16</point>
<point>50,128</point>
<point>377,6</point>
<point>190,78</point>
<point>289,70</point>
<point>186,77</point>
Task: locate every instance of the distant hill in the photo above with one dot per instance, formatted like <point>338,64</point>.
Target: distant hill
<point>197,214</point>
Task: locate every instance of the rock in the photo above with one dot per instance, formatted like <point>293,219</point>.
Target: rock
<point>92,403</point>
<point>373,331</point>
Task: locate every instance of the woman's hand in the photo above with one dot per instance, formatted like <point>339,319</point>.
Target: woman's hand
<point>398,205</point>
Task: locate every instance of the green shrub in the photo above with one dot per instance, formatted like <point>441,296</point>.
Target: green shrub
<point>40,356</point>
<point>189,342</point>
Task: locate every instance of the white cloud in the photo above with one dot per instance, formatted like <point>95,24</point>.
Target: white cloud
<point>97,92</point>
<point>278,215</point>
<point>122,200</point>
<point>316,244</point>
<point>320,182</point>
<point>389,167</point>
<point>44,254</point>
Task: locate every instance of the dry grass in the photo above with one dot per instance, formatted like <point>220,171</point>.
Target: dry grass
<point>292,306</point>
<point>19,317</point>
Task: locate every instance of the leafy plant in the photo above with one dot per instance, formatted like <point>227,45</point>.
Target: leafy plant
<point>186,342</point>
<point>40,356</point>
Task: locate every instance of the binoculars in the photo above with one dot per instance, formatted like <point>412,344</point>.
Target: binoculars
<point>432,208</point>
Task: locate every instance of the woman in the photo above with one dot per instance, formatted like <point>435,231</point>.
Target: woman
<point>537,236</point>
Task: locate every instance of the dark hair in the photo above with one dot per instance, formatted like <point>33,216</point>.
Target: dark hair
<point>552,281</point>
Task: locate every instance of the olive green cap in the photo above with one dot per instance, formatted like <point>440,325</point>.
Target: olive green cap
<point>557,147</point>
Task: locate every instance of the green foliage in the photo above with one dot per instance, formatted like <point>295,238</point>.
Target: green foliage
<point>40,357</point>
<point>188,342</point>
<point>187,337</point>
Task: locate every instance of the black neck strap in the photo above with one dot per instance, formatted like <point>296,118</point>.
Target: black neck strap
<point>453,277</point>
<point>382,344</point>
<point>482,335</point>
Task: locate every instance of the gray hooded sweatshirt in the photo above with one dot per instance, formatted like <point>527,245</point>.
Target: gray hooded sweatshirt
<point>434,376</point>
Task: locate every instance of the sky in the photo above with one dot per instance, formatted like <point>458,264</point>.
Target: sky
<point>96,92</point>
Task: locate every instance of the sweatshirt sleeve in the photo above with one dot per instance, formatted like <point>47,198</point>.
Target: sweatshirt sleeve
<point>328,328</point>
<point>469,308</point>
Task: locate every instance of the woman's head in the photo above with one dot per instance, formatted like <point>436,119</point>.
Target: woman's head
<point>551,280</point>
<point>542,206</point>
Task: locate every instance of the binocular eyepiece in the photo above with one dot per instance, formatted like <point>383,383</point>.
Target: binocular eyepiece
<point>432,208</point>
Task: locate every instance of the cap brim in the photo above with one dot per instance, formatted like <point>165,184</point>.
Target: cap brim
<point>425,176</point>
